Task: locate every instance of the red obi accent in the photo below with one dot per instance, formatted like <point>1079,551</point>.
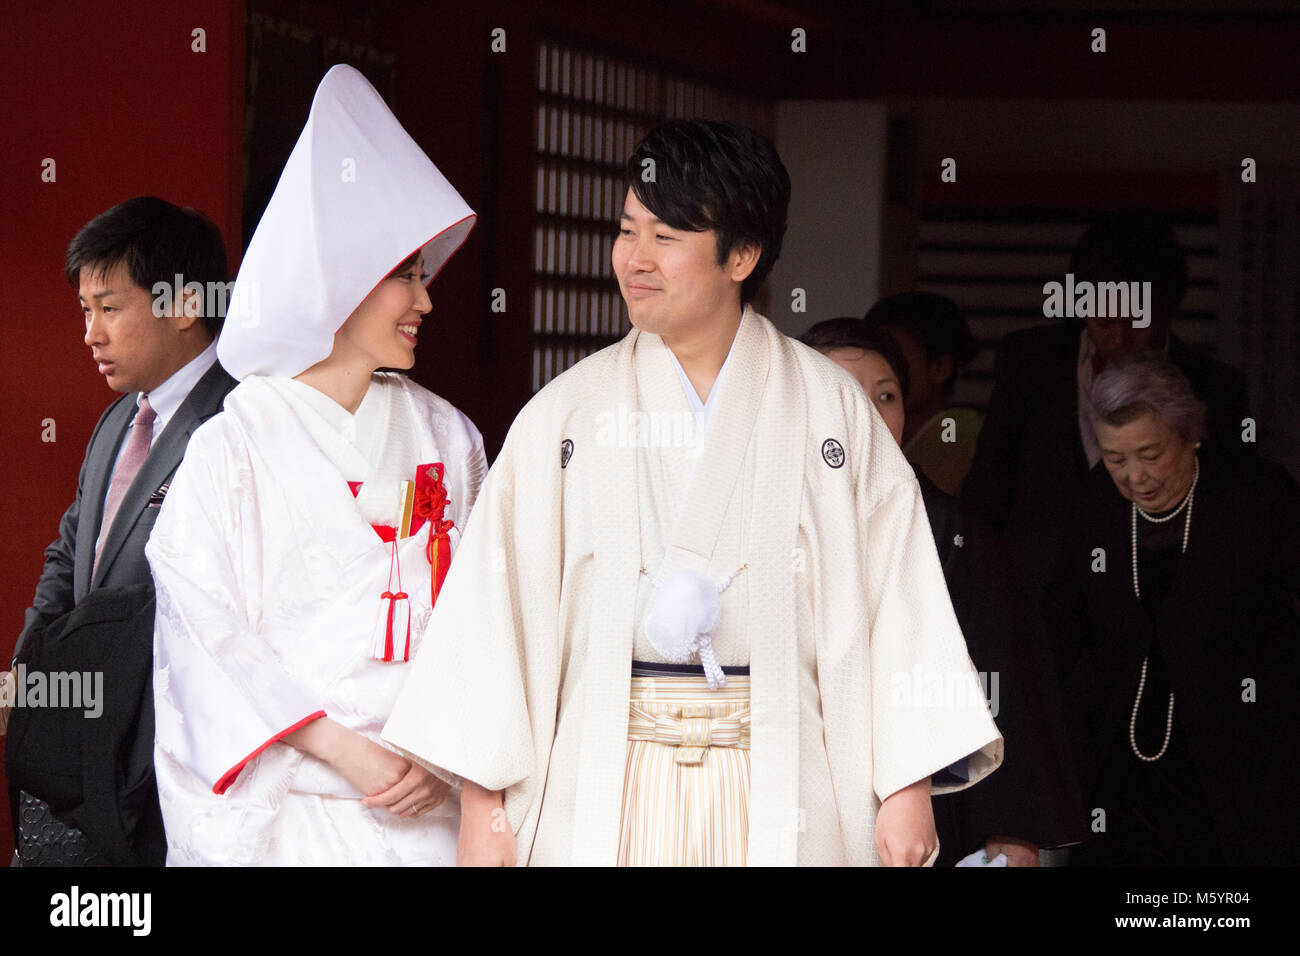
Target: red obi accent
<point>430,499</point>
<point>392,638</point>
<point>430,505</point>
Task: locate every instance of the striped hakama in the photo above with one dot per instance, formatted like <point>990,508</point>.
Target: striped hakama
<point>686,785</point>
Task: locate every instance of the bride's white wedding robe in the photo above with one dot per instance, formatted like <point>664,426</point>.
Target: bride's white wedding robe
<point>842,612</point>
<point>269,576</point>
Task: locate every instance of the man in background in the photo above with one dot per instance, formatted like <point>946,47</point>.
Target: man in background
<point>1034,449</point>
<point>159,351</point>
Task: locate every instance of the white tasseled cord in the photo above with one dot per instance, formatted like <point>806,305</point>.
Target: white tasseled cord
<point>682,617</point>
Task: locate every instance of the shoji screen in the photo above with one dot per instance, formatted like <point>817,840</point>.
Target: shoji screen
<point>994,264</point>
<point>1260,268</point>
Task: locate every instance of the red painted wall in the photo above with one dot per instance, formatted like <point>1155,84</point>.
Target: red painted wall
<point>115,96</point>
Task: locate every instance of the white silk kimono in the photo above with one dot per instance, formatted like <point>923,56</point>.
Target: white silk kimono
<point>522,683</point>
<point>269,576</point>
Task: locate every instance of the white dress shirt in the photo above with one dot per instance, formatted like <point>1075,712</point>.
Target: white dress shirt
<point>165,400</point>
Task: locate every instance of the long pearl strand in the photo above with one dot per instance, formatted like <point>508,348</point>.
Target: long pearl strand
<point>1142,681</point>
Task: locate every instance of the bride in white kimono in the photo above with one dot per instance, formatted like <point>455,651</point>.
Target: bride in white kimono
<point>305,538</point>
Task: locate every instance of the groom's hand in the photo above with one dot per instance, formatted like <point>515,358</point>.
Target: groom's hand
<point>486,838</point>
<point>905,834</point>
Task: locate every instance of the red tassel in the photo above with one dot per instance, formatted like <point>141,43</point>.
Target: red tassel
<point>438,551</point>
<point>396,629</point>
<point>396,626</point>
<point>388,630</point>
<point>429,506</point>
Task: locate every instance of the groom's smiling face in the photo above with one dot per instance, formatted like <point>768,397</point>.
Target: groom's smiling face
<point>670,278</point>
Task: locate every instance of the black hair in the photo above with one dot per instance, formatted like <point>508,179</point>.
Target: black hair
<point>156,241</point>
<point>1134,246</point>
<point>933,320</point>
<point>719,176</point>
<point>405,265</point>
<point>849,333</point>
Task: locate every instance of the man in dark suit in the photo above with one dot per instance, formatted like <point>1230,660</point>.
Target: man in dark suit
<point>1034,453</point>
<point>159,349</point>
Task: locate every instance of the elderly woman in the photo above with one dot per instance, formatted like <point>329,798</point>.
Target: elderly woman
<point>1179,644</point>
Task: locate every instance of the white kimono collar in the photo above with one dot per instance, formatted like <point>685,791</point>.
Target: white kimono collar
<point>704,410</point>
<point>376,446</point>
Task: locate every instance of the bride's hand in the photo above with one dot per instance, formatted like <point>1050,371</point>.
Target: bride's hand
<point>366,765</point>
<point>414,795</point>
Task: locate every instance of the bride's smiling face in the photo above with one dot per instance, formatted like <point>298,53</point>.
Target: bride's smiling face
<point>384,328</point>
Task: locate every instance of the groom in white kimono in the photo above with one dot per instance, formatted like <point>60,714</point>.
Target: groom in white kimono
<point>697,616</point>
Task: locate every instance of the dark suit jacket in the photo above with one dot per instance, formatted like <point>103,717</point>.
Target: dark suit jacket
<point>65,579</point>
<point>1228,618</point>
<point>1033,795</point>
<point>95,770</point>
<point>1030,466</point>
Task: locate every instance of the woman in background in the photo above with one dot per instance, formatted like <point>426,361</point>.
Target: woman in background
<point>939,437</point>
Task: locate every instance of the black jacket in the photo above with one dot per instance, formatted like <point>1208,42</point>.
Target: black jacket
<point>1029,465</point>
<point>1227,630</point>
<point>1033,795</point>
<point>66,578</point>
<point>94,767</point>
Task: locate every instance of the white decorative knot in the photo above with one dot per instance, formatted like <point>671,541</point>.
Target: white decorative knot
<point>681,620</point>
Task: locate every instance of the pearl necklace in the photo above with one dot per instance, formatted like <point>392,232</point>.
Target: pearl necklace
<point>1142,681</point>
